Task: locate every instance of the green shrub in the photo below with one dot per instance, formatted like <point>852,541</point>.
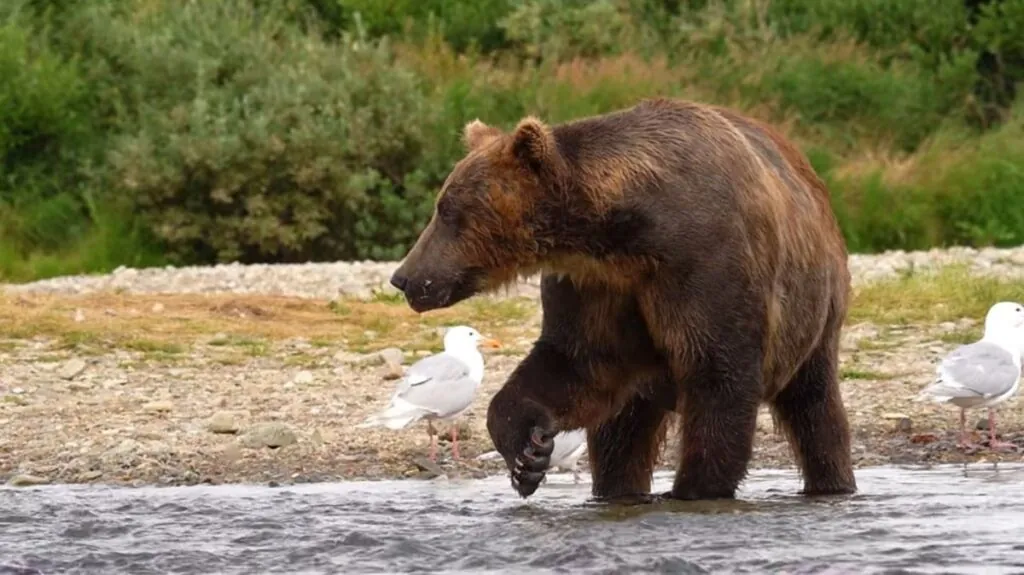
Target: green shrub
<point>44,129</point>
<point>279,147</point>
<point>134,131</point>
<point>463,24</point>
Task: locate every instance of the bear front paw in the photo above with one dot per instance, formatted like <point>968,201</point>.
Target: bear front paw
<point>533,461</point>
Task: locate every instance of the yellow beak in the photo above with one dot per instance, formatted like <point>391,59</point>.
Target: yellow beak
<point>491,343</point>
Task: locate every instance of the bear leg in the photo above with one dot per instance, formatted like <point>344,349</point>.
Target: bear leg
<point>521,418</point>
<point>719,403</point>
<point>810,410</point>
<point>624,450</point>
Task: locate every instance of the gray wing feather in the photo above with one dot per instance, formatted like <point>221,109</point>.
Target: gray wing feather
<point>439,383</point>
<point>981,370</point>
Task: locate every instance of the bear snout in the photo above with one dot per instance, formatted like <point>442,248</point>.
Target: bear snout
<point>399,281</point>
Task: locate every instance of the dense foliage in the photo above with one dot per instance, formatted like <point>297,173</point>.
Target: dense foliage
<point>139,132</point>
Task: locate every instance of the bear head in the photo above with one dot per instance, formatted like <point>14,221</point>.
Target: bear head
<point>494,218</point>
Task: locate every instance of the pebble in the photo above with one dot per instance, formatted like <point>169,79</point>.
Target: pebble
<point>392,355</point>
<point>271,434</point>
<point>72,369</point>
<point>427,468</point>
<point>329,280</point>
<point>223,422</point>
<point>91,475</point>
<point>391,371</point>
<point>303,377</point>
<point>158,406</point>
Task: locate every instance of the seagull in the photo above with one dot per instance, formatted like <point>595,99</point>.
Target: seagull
<point>440,387</point>
<point>984,373</point>
<point>569,446</point>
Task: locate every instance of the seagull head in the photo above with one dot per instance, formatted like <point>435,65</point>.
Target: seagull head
<point>1005,322</point>
<point>463,337</point>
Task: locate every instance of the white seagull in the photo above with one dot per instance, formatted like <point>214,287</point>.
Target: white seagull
<point>986,372</point>
<point>439,387</point>
<point>568,447</point>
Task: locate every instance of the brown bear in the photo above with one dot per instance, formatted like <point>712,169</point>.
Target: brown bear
<point>691,263</point>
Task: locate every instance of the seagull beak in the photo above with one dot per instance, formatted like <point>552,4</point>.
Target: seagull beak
<point>491,343</point>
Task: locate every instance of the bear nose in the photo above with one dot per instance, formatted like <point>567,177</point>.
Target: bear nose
<point>399,281</point>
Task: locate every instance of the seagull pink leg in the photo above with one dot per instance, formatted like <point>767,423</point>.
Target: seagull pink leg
<point>455,442</point>
<point>433,441</point>
<point>964,441</point>
<point>994,443</point>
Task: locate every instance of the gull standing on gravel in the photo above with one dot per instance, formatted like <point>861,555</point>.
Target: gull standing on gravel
<point>440,387</point>
<point>568,447</point>
<point>984,373</point>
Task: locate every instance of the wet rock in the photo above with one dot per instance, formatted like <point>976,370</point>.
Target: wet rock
<point>428,469</point>
<point>982,424</point>
<point>25,480</point>
<point>271,434</point>
<point>72,369</point>
<point>222,422</point>
<point>158,406</point>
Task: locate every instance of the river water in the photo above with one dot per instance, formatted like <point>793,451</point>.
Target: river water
<point>939,520</point>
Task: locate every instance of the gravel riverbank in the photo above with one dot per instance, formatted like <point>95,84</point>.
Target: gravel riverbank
<point>147,376</point>
<point>328,280</point>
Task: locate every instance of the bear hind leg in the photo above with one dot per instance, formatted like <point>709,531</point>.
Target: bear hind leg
<point>811,413</point>
<point>624,450</point>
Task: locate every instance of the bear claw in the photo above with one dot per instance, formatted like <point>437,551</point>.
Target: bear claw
<point>532,462</point>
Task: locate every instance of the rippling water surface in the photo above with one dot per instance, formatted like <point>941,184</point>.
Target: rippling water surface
<point>942,520</point>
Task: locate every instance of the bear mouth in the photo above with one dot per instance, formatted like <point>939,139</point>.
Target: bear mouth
<point>442,295</point>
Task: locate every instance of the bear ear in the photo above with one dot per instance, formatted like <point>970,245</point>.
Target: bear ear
<point>477,134</point>
<point>533,143</point>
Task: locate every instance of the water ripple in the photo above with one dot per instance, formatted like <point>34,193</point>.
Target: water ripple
<point>937,520</point>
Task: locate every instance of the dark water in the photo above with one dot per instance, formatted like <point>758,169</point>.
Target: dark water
<point>943,520</point>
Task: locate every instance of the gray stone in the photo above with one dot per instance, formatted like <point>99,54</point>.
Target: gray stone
<point>72,369</point>
<point>223,422</point>
<point>270,434</point>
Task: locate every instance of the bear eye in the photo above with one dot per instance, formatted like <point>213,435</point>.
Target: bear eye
<point>446,211</point>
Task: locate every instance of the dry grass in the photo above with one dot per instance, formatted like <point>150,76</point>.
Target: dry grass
<point>168,324</point>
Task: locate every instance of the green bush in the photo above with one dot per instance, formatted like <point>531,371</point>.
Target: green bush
<point>142,131</point>
<point>279,147</point>
<point>44,126</point>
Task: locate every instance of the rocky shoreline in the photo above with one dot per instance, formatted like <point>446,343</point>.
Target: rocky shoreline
<point>204,406</point>
<point>361,278</point>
